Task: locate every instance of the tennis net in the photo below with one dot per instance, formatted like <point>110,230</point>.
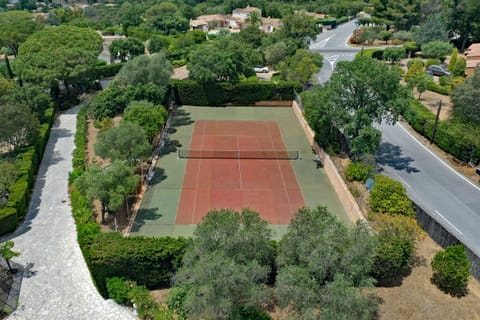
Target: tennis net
<point>238,154</point>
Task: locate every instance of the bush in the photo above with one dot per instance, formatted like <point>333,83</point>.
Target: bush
<point>451,136</point>
<point>8,220</point>
<point>432,86</point>
<point>389,196</point>
<point>372,53</point>
<point>108,70</point>
<point>190,92</point>
<point>80,146</point>
<point>118,289</point>
<point>148,261</point>
<point>451,270</point>
<point>125,292</point>
<point>397,226</point>
<point>431,62</point>
<point>393,258</point>
<point>358,171</point>
<point>146,305</point>
<point>436,49</point>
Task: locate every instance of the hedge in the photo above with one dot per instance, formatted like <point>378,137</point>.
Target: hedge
<point>432,86</point>
<point>190,92</point>
<point>452,137</point>
<point>80,145</point>
<point>27,163</point>
<point>148,261</point>
<point>107,71</point>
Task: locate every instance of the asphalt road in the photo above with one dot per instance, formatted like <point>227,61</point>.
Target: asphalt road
<point>448,197</point>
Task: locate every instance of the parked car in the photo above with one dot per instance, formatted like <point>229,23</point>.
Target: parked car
<point>260,69</point>
<point>438,70</point>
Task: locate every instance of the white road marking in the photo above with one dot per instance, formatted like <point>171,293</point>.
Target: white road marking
<point>332,60</point>
<point>438,158</point>
<point>322,43</point>
<point>445,219</point>
<point>403,180</point>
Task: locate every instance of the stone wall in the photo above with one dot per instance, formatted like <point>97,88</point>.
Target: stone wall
<point>349,204</point>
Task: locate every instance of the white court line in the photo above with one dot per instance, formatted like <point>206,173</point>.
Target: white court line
<point>439,159</point>
<point>445,219</point>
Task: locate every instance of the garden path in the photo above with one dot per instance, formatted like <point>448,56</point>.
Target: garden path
<point>57,282</point>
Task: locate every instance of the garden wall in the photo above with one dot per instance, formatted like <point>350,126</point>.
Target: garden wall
<point>350,205</point>
<point>441,236</point>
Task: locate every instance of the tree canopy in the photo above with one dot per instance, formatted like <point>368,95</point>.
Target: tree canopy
<point>142,70</point>
<point>322,264</point>
<point>149,116</point>
<point>65,53</point>
<point>19,126</point>
<point>227,59</point>
<point>127,48</point>
<point>301,66</point>
<point>466,99</point>
<point>126,142</point>
<point>15,28</point>
<point>109,185</point>
<point>359,94</point>
<point>226,267</point>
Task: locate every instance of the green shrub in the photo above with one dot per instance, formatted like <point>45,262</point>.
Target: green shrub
<point>250,313</point>
<point>108,70</point>
<point>80,145</point>
<point>389,196</point>
<point>372,53</point>
<point>358,171</point>
<point>146,305</point>
<point>118,289</point>
<point>432,86</point>
<point>431,62</point>
<point>444,81</point>
<point>179,62</point>
<point>451,270</point>
<point>190,92</point>
<point>8,220</point>
<point>393,258</point>
<point>147,261</point>
<point>452,137</point>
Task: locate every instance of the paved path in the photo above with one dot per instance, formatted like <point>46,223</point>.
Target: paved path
<point>57,283</point>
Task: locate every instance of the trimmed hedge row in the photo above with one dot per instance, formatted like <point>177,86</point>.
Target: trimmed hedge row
<point>190,92</point>
<point>27,162</point>
<point>80,145</point>
<point>148,261</point>
<point>432,86</point>
<point>451,137</point>
<point>108,70</point>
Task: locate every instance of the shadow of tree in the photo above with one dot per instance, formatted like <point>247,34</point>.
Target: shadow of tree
<point>181,118</point>
<point>391,156</point>
<point>159,176</point>
<point>143,215</point>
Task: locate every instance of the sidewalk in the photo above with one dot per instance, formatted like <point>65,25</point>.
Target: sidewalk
<point>57,283</point>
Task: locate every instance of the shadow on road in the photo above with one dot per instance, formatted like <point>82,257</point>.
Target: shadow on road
<point>391,156</point>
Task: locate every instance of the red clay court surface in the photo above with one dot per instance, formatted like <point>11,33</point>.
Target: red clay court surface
<point>267,186</point>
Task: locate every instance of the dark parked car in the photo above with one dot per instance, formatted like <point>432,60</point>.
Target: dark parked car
<point>438,70</point>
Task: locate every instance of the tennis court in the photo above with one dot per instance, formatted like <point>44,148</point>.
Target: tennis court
<point>233,157</point>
